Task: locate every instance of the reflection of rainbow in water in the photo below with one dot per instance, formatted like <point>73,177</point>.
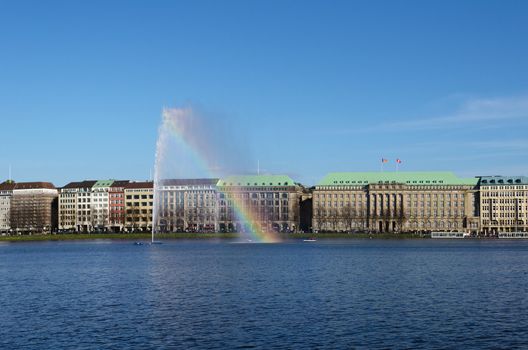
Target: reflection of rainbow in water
<point>179,125</point>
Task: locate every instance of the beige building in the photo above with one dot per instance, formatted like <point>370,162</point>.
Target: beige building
<point>395,202</point>
<point>139,198</point>
<point>270,202</point>
<point>186,205</point>
<point>33,208</point>
<point>503,204</point>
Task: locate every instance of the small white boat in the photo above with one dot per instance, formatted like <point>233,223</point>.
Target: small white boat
<point>310,240</point>
<point>450,235</point>
<point>513,235</point>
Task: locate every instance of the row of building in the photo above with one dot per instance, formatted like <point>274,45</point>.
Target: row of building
<point>340,202</point>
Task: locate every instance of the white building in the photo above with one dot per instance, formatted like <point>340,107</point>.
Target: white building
<point>6,192</point>
<point>100,210</point>
<point>187,205</point>
<point>503,204</point>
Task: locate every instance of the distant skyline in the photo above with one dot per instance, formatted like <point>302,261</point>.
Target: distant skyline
<point>314,86</point>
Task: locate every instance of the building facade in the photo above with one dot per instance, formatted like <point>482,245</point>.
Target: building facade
<point>92,205</point>
<point>396,202</point>
<point>6,192</point>
<point>116,195</point>
<point>503,204</point>
<point>186,205</point>
<point>100,209</point>
<point>269,202</point>
<point>33,208</point>
<point>139,198</point>
<point>75,206</point>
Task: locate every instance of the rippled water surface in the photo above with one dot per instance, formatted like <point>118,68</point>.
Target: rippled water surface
<point>333,294</point>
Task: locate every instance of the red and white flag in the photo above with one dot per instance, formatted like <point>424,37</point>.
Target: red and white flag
<point>398,160</point>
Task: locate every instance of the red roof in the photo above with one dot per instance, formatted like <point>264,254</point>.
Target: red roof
<point>7,186</point>
<point>32,185</point>
<point>120,183</point>
<point>142,184</point>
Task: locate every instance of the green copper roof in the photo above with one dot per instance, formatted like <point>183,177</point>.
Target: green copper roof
<point>103,183</point>
<point>256,180</point>
<point>409,178</point>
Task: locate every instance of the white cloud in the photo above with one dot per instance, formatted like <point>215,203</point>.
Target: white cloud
<point>472,111</point>
<point>477,112</point>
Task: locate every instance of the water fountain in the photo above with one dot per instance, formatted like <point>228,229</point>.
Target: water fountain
<point>192,144</point>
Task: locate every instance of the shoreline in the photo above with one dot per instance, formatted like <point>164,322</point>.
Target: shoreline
<point>199,236</point>
<point>214,236</point>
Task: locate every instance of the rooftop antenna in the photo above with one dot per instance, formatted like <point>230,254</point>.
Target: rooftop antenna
<point>9,173</point>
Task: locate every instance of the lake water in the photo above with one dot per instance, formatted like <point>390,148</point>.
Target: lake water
<point>332,294</point>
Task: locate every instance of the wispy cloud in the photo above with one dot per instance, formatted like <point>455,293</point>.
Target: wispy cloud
<point>477,112</point>
<point>513,145</point>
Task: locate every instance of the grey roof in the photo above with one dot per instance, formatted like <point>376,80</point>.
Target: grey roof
<point>81,184</point>
<point>187,182</point>
<point>503,180</point>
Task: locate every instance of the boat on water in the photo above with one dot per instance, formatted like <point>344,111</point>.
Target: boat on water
<point>449,234</point>
<point>138,243</point>
<point>310,240</point>
<point>513,235</point>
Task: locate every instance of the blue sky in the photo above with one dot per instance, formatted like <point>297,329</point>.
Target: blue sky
<point>315,86</point>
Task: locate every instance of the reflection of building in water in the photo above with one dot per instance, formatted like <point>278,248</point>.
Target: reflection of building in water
<point>503,203</point>
<point>186,205</point>
<point>395,202</point>
<point>139,197</point>
<point>270,202</point>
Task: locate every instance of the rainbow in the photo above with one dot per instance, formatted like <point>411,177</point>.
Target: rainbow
<point>175,125</point>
